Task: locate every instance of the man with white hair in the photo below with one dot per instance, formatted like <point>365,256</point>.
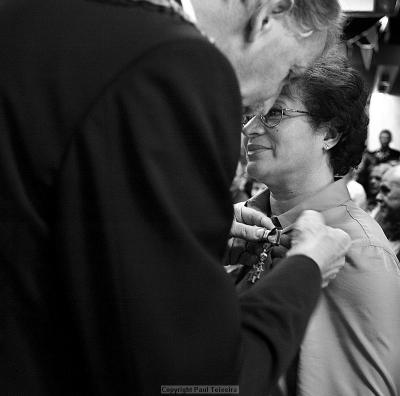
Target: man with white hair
<point>388,199</point>
<point>374,182</point>
<point>120,128</point>
<point>267,42</point>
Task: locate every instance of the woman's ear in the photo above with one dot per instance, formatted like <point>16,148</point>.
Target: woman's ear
<point>263,14</point>
<point>331,138</point>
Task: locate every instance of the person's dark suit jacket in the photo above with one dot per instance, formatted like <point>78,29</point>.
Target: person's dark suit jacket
<point>119,138</point>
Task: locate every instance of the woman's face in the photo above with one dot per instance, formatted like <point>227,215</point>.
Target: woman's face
<point>290,149</point>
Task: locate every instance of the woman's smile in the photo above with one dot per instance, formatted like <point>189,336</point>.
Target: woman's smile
<point>253,150</point>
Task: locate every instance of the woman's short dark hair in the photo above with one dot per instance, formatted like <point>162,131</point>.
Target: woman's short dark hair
<point>336,97</point>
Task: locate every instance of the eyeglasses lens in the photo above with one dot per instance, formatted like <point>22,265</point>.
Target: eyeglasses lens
<point>273,117</point>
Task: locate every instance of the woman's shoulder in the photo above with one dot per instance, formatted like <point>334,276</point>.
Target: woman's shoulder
<point>370,247</point>
<point>362,228</point>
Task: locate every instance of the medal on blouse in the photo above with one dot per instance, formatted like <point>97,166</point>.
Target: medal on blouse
<point>265,260</point>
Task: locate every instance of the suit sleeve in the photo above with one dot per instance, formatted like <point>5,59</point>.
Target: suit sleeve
<point>145,210</point>
<point>274,315</point>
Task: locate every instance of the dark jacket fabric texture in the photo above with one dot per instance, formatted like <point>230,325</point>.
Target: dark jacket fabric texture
<point>119,138</point>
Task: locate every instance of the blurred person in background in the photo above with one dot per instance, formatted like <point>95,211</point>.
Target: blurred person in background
<point>374,183</point>
<point>385,154</point>
<point>257,187</point>
<point>356,190</point>
<point>388,215</point>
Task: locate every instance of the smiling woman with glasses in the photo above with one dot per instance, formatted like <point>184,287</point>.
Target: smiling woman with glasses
<point>315,132</point>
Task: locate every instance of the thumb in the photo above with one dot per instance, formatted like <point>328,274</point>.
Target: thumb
<point>251,216</point>
<point>247,232</point>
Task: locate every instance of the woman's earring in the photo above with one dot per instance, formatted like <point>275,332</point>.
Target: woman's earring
<point>326,147</point>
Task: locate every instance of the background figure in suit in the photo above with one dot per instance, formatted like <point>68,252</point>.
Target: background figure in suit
<point>120,127</point>
<point>384,155</point>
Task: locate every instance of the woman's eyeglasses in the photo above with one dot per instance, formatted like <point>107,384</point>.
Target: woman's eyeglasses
<point>275,115</point>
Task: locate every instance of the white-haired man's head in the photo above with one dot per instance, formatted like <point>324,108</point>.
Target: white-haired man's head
<point>268,41</point>
<point>389,191</point>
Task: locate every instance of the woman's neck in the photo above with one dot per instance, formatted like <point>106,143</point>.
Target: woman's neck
<point>286,194</point>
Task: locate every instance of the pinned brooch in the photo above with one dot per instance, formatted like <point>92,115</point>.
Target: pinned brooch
<point>273,238</point>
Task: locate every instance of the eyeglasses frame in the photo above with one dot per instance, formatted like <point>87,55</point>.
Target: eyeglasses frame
<point>264,121</point>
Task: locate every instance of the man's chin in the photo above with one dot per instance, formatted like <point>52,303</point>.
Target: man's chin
<point>384,215</point>
<point>384,212</point>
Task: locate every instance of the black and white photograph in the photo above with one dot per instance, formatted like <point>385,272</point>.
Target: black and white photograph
<point>199,197</point>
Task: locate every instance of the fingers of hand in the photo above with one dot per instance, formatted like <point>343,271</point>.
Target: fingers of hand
<point>311,224</point>
<point>257,218</point>
<point>247,232</point>
<point>308,225</point>
<point>336,242</point>
<point>329,277</point>
<point>341,238</point>
<point>309,219</point>
<point>296,235</point>
<point>237,211</point>
<point>251,216</point>
<point>335,267</point>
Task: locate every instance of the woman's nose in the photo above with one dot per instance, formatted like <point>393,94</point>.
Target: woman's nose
<point>254,127</point>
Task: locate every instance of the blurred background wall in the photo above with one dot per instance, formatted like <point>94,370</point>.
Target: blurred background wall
<point>372,43</point>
